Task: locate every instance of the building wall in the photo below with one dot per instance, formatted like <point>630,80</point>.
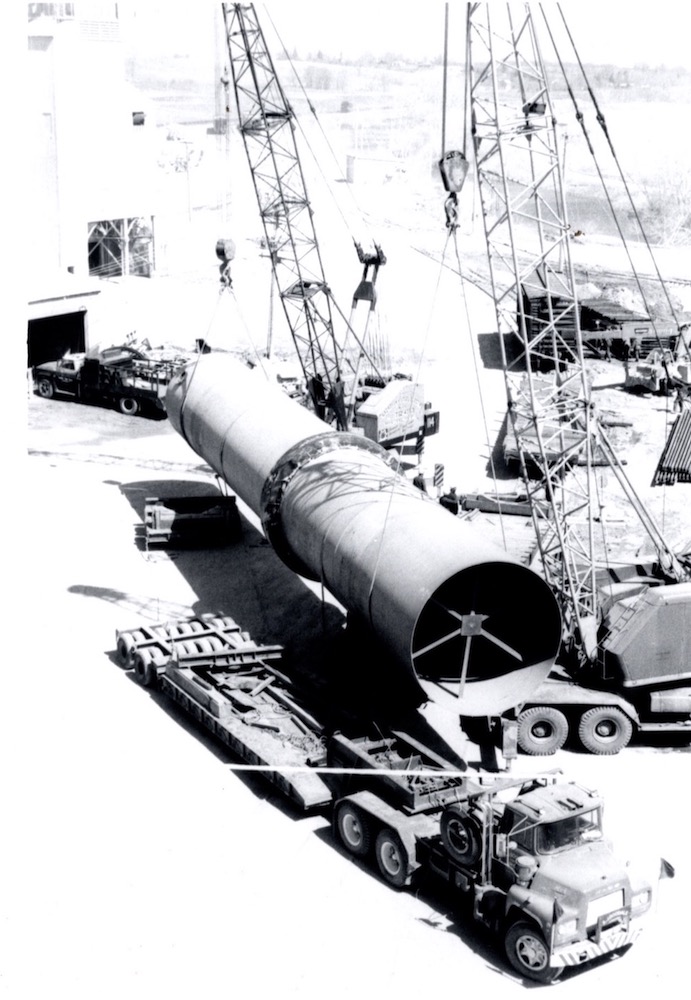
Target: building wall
<point>89,161</point>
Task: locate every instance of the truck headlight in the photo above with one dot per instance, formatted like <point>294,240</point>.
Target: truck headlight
<point>640,900</point>
<point>567,928</point>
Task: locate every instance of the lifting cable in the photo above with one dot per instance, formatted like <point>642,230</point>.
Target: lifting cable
<point>476,368</point>
<point>324,136</point>
<point>392,488</point>
<point>603,125</point>
<point>445,74</point>
<point>451,232</point>
<point>451,212</point>
<point>334,199</point>
<point>601,121</point>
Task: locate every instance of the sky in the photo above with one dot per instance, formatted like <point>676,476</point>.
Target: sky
<point>608,31</point>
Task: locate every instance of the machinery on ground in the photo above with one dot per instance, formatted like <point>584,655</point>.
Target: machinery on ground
<point>625,663</point>
<point>191,521</point>
<point>528,855</point>
<point>117,376</point>
<point>661,372</point>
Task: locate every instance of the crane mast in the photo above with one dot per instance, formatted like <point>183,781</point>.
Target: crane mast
<point>267,125</point>
<point>515,143</point>
<point>553,429</point>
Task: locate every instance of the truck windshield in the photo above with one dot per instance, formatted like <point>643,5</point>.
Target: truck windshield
<point>569,832</point>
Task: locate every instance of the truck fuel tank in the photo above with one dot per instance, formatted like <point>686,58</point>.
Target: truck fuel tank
<point>456,612</point>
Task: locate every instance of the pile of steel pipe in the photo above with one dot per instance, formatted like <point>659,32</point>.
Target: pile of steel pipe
<point>675,463</point>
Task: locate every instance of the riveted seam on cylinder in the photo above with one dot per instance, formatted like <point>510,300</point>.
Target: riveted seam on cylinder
<point>288,465</point>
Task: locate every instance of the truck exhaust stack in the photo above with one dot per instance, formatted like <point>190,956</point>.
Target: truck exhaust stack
<point>456,612</point>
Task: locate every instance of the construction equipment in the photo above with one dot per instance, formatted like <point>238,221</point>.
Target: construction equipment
<point>661,372</point>
<point>191,521</point>
<point>554,430</point>
<point>529,854</point>
<point>345,385</point>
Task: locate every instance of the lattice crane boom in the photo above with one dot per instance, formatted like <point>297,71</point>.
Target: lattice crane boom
<point>267,125</point>
<point>552,424</point>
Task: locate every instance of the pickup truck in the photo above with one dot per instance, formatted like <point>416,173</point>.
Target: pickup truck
<point>117,376</point>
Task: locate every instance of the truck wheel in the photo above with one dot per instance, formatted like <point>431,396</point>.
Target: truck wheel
<point>460,835</point>
<point>392,858</point>
<point>542,730</point>
<point>128,406</point>
<point>528,953</point>
<point>604,730</point>
<point>353,830</point>
<point>45,388</point>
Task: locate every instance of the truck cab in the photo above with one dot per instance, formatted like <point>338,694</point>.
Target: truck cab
<point>60,376</point>
<point>551,880</point>
<point>530,855</point>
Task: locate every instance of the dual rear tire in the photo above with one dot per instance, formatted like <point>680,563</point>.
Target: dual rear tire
<point>602,730</point>
<point>354,829</point>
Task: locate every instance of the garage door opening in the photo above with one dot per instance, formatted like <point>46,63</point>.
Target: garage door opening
<point>52,336</point>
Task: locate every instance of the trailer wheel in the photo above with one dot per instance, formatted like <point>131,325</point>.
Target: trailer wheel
<point>45,388</point>
<point>129,406</point>
<point>125,647</point>
<point>528,953</point>
<point>392,858</point>
<point>460,835</point>
<point>144,669</point>
<point>542,730</point>
<point>353,829</point>
<point>604,730</point>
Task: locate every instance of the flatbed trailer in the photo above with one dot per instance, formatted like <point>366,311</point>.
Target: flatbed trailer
<point>528,854</point>
<point>215,672</point>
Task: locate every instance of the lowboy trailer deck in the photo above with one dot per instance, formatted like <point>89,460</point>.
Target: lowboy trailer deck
<point>528,854</point>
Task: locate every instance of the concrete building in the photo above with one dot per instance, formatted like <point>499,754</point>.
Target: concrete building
<point>93,170</point>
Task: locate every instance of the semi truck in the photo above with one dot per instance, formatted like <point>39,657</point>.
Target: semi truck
<point>528,855</point>
<point>117,376</point>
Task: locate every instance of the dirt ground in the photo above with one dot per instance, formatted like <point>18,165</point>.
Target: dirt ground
<point>140,863</point>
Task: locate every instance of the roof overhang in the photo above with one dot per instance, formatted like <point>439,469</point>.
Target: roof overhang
<point>62,293</point>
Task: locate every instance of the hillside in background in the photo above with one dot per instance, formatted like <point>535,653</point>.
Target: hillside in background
<point>383,119</point>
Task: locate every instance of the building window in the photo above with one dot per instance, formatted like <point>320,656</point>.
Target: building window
<point>118,247</point>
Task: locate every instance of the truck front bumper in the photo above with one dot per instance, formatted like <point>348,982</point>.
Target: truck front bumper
<point>585,951</point>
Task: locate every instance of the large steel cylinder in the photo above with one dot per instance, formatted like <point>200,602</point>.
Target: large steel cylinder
<point>454,610</point>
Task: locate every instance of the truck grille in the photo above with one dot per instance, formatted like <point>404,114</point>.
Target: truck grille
<point>603,905</point>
